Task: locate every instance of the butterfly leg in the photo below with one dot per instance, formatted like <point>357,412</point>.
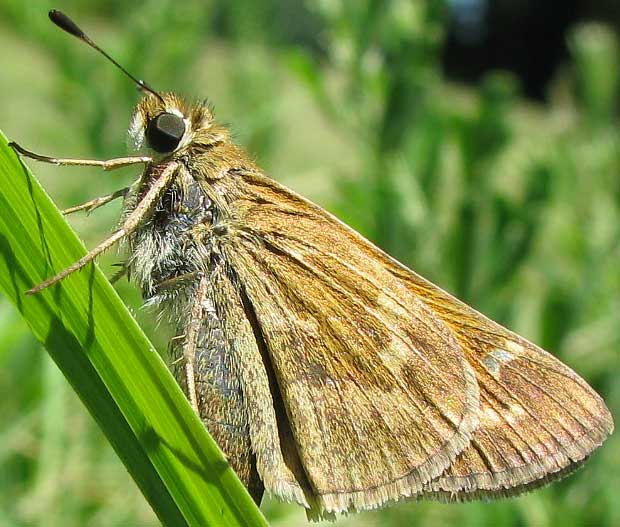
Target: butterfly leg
<point>119,274</point>
<point>93,204</point>
<point>173,283</point>
<point>132,222</point>
<point>109,164</point>
<point>205,360</point>
<point>191,341</point>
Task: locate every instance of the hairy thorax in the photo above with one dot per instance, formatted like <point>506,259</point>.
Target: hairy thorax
<point>165,252</point>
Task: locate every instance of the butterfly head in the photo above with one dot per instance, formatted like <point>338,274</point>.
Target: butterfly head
<point>168,124</point>
<point>162,122</point>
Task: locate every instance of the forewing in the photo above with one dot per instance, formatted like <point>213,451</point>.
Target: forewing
<point>538,419</point>
<point>377,390</point>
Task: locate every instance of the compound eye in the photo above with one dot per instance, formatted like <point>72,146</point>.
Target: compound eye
<point>164,132</point>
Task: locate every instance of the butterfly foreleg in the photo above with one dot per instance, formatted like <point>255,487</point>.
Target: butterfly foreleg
<point>107,164</point>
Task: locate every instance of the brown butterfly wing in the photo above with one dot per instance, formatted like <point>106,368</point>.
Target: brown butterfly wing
<point>377,391</point>
<point>538,419</point>
<point>353,397</point>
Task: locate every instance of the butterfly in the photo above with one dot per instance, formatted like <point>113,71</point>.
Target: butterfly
<point>329,373</point>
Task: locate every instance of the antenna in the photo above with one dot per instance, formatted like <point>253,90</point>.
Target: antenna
<point>68,25</point>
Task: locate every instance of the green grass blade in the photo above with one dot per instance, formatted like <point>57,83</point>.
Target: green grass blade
<point>111,364</point>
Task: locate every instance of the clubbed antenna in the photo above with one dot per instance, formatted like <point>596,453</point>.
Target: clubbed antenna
<point>68,25</point>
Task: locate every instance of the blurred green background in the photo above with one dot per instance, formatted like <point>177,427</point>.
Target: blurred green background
<point>512,205</point>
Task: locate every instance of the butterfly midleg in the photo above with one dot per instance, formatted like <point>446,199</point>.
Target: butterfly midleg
<point>93,204</point>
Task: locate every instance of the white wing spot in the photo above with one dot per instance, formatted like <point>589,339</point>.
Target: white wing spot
<point>515,412</point>
<point>514,347</point>
<point>494,360</point>
<point>490,417</point>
